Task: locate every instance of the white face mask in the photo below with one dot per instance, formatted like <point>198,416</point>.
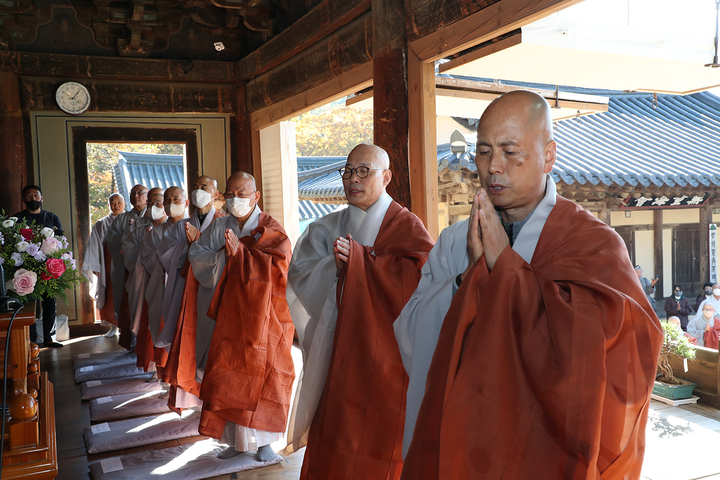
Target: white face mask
<point>176,210</point>
<point>156,213</point>
<point>200,198</point>
<point>716,292</point>
<point>238,207</point>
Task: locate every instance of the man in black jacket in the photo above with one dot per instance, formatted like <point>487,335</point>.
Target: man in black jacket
<point>679,306</point>
<point>32,196</point>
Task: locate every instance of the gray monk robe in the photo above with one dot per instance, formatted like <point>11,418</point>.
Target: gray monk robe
<point>113,242</point>
<point>155,286</point>
<point>94,261</point>
<point>172,253</point>
<point>135,285</point>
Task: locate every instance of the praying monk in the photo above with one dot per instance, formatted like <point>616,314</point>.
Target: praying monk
<point>131,243</point>
<point>173,250</point>
<point>174,204</point>
<point>545,345</point>
<point>244,341</point>
<point>93,266</point>
<point>117,276</point>
<point>351,274</point>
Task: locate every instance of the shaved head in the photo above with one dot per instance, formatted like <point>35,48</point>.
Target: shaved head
<point>515,150</point>
<point>175,191</point>
<point>206,183</point>
<point>138,196</point>
<point>240,178</point>
<point>117,203</point>
<point>375,155</point>
<point>373,161</point>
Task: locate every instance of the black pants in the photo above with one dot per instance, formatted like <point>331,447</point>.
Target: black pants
<point>48,316</point>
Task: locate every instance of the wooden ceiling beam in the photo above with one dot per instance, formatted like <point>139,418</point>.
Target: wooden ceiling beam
<point>326,18</point>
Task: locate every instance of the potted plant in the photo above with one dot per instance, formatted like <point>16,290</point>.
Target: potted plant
<point>675,343</point>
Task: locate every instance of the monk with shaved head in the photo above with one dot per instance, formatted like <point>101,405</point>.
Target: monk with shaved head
<point>99,273</point>
<point>244,332</point>
<point>118,305</point>
<point>180,297</point>
<point>352,272</point>
<point>530,344</point>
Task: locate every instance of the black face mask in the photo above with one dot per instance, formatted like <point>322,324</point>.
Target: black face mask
<point>708,292</point>
<point>32,204</point>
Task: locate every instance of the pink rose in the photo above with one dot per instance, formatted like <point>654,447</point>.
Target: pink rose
<point>50,245</point>
<point>24,281</point>
<point>55,267</point>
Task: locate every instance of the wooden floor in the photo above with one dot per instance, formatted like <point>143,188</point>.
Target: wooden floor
<point>73,415</point>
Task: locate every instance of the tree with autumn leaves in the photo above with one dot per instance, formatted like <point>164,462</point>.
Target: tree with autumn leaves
<point>102,158</point>
<point>332,130</point>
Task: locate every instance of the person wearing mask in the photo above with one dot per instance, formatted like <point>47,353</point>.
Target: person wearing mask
<point>678,306</point>
<point>95,268</point>
<point>705,294</point>
<point>702,322</point>
<point>32,197</point>
<point>714,300</point>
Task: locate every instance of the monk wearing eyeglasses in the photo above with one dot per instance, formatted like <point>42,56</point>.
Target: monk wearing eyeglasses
<point>351,274</point>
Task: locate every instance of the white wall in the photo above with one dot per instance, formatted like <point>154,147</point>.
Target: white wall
<point>644,251</point>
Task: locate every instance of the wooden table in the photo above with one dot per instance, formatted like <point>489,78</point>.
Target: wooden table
<point>38,459</point>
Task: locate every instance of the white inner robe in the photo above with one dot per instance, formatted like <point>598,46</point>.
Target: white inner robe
<point>311,296</point>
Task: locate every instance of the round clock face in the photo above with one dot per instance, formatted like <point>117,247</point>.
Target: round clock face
<point>72,98</point>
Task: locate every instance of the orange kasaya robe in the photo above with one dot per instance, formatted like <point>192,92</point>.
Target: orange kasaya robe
<point>711,335</point>
<point>249,374</point>
<point>107,312</point>
<point>357,429</point>
<point>542,370</point>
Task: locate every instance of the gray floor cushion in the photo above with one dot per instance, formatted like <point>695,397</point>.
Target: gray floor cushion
<point>134,432</point>
<point>118,357</point>
<point>107,371</point>
<point>118,386</point>
<point>187,462</point>
<point>129,405</point>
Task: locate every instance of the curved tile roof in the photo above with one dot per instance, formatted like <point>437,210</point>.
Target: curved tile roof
<point>674,145</point>
<point>319,179</point>
<point>149,169</point>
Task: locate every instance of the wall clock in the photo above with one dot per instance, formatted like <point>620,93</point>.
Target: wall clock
<point>72,98</point>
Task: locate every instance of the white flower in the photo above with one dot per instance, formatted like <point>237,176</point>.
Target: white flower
<point>14,219</point>
<point>47,232</point>
<point>8,223</point>
<point>22,246</point>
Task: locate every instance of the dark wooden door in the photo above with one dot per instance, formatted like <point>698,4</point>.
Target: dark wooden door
<point>686,259</point>
<point>628,236</point>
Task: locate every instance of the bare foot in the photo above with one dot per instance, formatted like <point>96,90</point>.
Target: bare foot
<point>229,452</point>
<point>265,453</point>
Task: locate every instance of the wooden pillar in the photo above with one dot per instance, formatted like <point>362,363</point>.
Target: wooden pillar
<point>243,132</point>
<point>658,243</point>
<point>422,145</point>
<point>604,215</point>
<point>705,221</point>
<point>12,144</point>
<point>390,92</point>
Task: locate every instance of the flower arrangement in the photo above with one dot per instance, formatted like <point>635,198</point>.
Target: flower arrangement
<point>35,261</point>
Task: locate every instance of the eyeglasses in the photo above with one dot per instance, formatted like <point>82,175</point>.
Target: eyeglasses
<point>361,172</point>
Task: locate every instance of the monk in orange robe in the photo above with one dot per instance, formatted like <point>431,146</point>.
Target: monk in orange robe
<point>546,357</point>
<point>352,273</point>
<point>712,334</point>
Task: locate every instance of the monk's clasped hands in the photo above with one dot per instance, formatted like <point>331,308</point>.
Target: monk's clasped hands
<point>232,243</point>
<point>486,234</point>
<point>341,248</point>
<point>191,232</point>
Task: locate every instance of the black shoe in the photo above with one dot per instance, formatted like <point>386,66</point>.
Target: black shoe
<point>52,345</point>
